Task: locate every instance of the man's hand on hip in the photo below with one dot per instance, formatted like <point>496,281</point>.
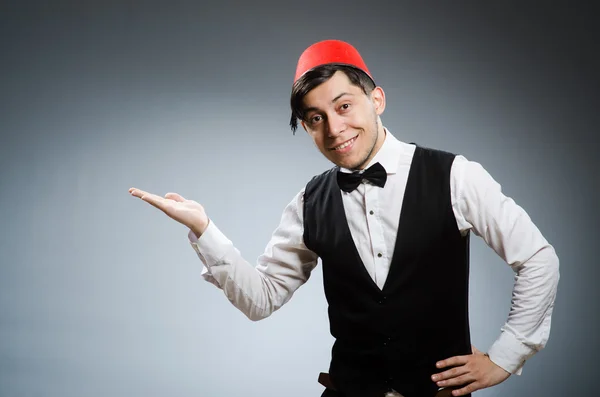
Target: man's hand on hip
<point>474,371</point>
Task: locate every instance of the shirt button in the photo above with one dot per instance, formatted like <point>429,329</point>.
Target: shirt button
<point>379,255</point>
<point>371,212</point>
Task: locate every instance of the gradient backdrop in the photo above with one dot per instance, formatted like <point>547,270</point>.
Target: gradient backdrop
<point>101,294</point>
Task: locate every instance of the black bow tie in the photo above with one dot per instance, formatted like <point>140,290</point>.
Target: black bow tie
<point>375,174</point>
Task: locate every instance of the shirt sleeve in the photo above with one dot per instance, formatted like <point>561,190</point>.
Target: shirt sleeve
<point>479,205</point>
<point>261,289</point>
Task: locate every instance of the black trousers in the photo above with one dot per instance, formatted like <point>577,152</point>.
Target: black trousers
<point>441,393</point>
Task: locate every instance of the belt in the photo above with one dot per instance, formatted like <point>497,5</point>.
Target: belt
<point>326,381</point>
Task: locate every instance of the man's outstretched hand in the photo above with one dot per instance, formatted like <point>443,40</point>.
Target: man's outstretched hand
<point>473,371</point>
<point>186,212</point>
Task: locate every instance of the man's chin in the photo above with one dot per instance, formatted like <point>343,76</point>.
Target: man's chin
<point>351,165</point>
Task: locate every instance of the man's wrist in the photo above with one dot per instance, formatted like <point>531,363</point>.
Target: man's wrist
<point>198,230</point>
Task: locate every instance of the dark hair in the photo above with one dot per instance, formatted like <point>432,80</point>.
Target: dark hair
<point>316,77</point>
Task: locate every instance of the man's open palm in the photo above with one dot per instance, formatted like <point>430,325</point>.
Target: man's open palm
<point>186,212</point>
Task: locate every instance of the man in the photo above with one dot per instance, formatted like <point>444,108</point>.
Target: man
<point>390,223</point>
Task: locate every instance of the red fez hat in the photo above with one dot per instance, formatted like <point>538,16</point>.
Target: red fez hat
<point>329,51</point>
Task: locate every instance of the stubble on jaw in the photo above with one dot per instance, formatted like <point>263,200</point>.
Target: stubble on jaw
<point>368,156</point>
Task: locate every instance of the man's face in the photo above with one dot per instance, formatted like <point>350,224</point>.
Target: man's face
<point>344,122</point>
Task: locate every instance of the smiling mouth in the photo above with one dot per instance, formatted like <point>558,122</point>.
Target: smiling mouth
<point>344,145</point>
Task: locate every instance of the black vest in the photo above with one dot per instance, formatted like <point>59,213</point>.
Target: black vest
<point>392,338</point>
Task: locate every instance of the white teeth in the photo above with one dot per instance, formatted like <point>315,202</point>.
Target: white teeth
<point>343,145</point>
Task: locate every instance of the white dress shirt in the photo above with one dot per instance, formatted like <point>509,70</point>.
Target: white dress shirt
<point>373,214</point>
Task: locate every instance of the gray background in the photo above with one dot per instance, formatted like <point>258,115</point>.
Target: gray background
<point>101,294</point>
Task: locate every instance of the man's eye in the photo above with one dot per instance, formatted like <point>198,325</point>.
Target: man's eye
<point>315,119</point>
<point>345,106</point>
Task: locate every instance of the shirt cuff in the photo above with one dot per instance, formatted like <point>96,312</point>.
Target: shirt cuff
<point>509,353</point>
<point>212,245</point>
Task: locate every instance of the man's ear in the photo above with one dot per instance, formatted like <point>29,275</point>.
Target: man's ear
<point>378,99</point>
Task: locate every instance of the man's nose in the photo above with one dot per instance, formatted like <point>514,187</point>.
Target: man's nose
<point>335,125</point>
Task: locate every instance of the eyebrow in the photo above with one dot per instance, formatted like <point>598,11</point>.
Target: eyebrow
<point>306,110</point>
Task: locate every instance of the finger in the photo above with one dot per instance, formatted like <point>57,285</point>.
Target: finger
<point>456,381</point>
<point>452,361</point>
<point>155,201</point>
<point>470,388</point>
<point>175,197</point>
<point>136,192</point>
<point>139,193</point>
<point>451,373</point>
<point>148,197</point>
